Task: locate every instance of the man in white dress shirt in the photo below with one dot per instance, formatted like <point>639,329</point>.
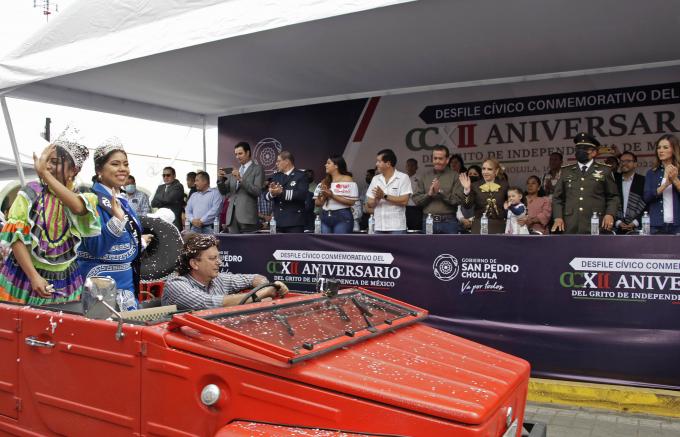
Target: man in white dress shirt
<point>388,195</point>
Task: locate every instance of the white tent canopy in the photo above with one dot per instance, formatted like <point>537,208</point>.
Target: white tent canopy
<point>100,35</point>
<point>97,34</point>
<point>180,61</point>
<point>186,59</point>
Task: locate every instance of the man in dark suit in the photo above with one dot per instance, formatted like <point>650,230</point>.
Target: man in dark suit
<point>288,191</point>
<point>245,185</point>
<point>170,194</point>
<point>584,188</point>
<point>631,188</point>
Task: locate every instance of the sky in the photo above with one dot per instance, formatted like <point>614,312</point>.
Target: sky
<point>150,145</point>
<point>19,19</point>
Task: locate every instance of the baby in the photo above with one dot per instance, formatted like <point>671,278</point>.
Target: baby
<point>516,209</point>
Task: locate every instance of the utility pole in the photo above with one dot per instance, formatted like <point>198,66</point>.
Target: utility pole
<point>46,134</point>
<point>46,7</point>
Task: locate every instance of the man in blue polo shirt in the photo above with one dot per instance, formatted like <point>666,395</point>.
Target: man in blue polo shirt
<point>204,205</point>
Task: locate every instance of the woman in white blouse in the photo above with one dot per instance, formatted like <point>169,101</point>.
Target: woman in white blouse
<point>336,194</point>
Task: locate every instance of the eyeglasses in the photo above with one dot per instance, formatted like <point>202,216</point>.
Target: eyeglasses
<point>167,175</point>
<point>626,161</point>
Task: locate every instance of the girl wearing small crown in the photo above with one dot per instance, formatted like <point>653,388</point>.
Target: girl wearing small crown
<point>45,226</point>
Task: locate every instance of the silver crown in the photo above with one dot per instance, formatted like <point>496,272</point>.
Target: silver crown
<point>71,141</point>
<point>107,147</point>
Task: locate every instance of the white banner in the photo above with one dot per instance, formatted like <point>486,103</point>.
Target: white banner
<point>637,265</point>
<point>334,256</point>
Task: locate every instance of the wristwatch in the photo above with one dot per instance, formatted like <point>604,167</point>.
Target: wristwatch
<point>385,196</point>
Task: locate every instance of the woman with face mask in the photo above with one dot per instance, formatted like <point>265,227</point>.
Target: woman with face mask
<point>486,196</point>
<point>138,200</point>
<point>45,227</point>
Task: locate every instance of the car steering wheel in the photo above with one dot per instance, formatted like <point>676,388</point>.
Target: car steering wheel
<point>253,293</point>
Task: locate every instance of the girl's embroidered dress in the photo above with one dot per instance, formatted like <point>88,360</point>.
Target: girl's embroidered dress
<point>52,234</point>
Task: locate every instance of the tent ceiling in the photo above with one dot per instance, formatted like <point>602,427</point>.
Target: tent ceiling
<point>427,42</point>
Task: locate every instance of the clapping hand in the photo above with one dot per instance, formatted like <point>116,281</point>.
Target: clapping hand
<point>326,193</point>
<point>671,172</point>
<point>434,187</point>
<point>378,193</point>
<point>275,189</point>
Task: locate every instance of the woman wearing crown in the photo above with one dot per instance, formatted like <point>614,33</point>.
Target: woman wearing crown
<point>115,252</point>
<point>45,226</point>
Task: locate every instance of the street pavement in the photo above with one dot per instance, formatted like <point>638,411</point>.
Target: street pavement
<point>565,421</point>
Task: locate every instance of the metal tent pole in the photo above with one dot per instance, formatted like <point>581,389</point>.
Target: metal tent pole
<point>205,158</point>
<point>12,139</point>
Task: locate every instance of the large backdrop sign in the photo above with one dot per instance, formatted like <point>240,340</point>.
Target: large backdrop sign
<point>519,124</point>
<point>589,308</point>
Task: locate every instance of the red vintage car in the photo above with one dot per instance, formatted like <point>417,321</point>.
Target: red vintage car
<point>356,363</point>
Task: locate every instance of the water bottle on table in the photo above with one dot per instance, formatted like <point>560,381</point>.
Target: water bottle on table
<point>317,224</point>
<point>594,224</point>
<point>484,225</point>
<point>216,225</point>
<point>371,225</point>
<point>272,225</point>
<point>429,225</point>
<point>646,225</point>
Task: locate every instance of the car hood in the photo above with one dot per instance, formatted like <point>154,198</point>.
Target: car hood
<point>423,369</point>
<point>417,368</point>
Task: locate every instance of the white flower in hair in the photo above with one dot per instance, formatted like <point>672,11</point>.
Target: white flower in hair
<point>72,142</point>
<point>107,147</point>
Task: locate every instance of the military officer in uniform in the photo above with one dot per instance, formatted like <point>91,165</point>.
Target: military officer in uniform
<point>584,188</point>
<point>288,192</point>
